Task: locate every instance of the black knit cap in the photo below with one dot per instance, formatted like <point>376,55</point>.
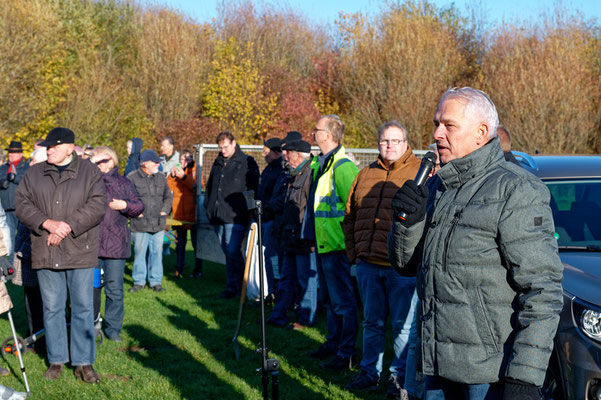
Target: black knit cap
<point>298,145</point>
<point>58,136</point>
<point>273,143</point>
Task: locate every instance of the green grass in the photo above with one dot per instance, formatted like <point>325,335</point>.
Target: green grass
<point>178,344</point>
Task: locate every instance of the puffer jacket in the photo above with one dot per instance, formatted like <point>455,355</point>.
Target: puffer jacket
<point>489,275</point>
<point>224,201</point>
<point>114,232</point>
<point>156,196</point>
<point>77,197</point>
<point>368,215</point>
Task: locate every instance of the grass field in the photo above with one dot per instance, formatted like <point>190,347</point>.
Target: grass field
<point>178,344</point>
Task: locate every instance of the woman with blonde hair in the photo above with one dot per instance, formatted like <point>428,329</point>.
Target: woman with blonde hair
<point>122,203</point>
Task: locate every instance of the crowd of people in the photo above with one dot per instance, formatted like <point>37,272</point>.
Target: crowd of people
<point>469,276</point>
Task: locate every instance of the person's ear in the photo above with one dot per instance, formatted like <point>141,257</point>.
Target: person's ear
<point>482,134</point>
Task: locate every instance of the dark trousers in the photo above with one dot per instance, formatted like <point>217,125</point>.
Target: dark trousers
<point>35,315</point>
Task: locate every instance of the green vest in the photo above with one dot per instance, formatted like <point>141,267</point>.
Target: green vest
<point>331,193</point>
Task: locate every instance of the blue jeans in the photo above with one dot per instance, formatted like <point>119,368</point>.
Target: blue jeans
<point>11,222</point>
<point>53,287</point>
<point>385,293</point>
<point>180,247</point>
<point>336,293</point>
<point>113,289</point>
<point>298,280</point>
<point>153,244</point>
<point>230,237</point>
<point>414,381</point>
<point>272,254</point>
<point>438,388</point>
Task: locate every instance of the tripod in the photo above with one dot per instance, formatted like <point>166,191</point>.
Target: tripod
<point>268,365</point>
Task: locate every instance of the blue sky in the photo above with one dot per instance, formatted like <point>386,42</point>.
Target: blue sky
<point>327,10</point>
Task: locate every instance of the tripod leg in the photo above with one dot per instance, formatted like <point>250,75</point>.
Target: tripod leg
<point>12,326</point>
<point>265,379</point>
<point>275,386</point>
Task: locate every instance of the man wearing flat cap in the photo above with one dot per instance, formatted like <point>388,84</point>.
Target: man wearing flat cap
<point>298,279</point>
<point>62,201</point>
<point>11,174</point>
<point>149,228</point>
<point>272,152</point>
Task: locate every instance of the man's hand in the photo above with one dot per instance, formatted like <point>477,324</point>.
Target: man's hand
<point>59,228</point>
<point>118,205</point>
<point>162,213</point>
<point>53,240</point>
<point>518,390</point>
<point>410,199</point>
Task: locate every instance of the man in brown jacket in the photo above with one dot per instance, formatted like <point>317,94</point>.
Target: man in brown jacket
<point>62,201</point>
<point>367,221</point>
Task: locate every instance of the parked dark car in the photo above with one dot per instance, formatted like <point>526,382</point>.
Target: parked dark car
<point>575,185</point>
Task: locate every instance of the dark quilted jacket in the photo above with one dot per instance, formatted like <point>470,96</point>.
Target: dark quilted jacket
<point>114,232</point>
<point>489,275</point>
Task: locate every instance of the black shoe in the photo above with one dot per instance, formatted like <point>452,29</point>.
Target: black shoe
<point>116,338</point>
<point>196,274</point>
<point>227,294</point>
<point>158,288</point>
<point>135,288</point>
<point>338,363</point>
<point>395,389</point>
<point>322,352</point>
<point>362,382</point>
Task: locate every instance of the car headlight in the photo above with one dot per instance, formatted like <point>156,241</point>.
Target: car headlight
<point>591,323</point>
<point>588,318</point>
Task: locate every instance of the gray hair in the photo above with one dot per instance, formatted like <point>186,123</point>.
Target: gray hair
<point>392,124</point>
<point>39,155</point>
<point>335,126</point>
<point>305,155</point>
<point>475,101</point>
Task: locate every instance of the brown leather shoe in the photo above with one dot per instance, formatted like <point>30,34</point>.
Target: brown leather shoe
<point>87,374</point>
<point>53,372</point>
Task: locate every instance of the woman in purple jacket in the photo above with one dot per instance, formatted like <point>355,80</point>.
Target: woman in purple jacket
<point>122,203</point>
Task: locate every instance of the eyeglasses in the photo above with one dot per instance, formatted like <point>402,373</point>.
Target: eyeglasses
<point>318,130</point>
<point>394,142</point>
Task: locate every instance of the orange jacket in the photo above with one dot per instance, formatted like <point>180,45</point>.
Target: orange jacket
<point>184,196</point>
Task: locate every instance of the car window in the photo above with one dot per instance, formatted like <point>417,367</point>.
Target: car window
<point>576,206</point>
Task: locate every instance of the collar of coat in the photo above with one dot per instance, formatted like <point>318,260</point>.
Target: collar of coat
<point>70,171</point>
<point>398,164</point>
<point>237,156</point>
<point>461,170</point>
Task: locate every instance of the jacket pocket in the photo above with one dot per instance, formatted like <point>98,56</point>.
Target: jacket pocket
<point>447,239</point>
<point>482,322</point>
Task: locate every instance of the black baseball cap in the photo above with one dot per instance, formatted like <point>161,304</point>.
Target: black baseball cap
<point>58,136</point>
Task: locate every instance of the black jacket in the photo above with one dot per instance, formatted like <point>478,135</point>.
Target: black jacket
<point>295,204</point>
<point>269,177</point>
<point>9,188</point>
<point>156,196</point>
<point>224,201</point>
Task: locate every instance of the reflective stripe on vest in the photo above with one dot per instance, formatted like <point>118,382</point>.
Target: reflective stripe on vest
<point>332,199</point>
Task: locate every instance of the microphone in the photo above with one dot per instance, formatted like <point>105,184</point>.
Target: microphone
<point>424,170</point>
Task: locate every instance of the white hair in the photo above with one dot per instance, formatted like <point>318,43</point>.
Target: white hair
<point>475,101</point>
<point>39,155</point>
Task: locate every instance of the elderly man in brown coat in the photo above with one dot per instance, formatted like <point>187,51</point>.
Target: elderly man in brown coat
<point>62,201</point>
<point>383,291</point>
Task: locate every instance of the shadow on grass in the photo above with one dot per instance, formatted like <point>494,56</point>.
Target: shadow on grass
<point>219,344</point>
<point>183,371</point>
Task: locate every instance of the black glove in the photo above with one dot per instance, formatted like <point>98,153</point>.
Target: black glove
<point>11,176</point>
<point>518,390</point>
<point>410,199</point>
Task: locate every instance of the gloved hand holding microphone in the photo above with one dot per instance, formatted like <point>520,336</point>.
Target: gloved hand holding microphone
<point>409,202</point>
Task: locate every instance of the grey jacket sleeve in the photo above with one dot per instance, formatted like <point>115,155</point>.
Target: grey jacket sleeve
<point>402,242</point>
<point>167,199</point>
<point>526,242</point>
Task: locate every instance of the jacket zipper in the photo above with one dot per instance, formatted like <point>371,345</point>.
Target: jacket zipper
<point>448,239</point>
<point>373,231</point>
